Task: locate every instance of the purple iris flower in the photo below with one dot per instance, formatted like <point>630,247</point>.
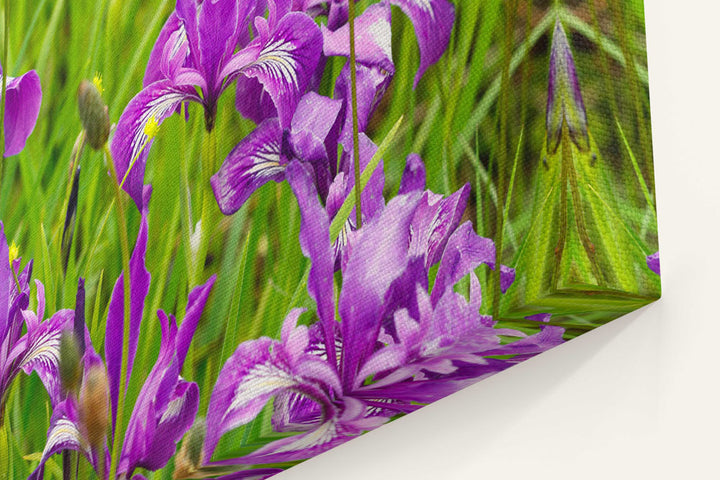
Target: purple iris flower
<point>166,405</point>
<point>36,350</point>
<point>22,106</point>
<point>318,125</point>
<point>433,21</point>
<point>399,344</point>
<point>193,61</point>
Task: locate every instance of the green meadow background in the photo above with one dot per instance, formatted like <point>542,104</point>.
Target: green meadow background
<point>478,116</point>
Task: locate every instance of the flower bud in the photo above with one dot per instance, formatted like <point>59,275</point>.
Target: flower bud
<point>93,114</point>
<point>565,104</point>
<point>93,409</point>
<point>190,456</point>
<point>70,364</point>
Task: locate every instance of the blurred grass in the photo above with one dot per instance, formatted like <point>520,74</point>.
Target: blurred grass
<point>452,119</point>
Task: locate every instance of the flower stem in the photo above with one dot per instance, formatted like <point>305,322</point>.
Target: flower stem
<point>4,82</point>
<point>209,151</point>
<point>356,128</point>
<point>125,247</point>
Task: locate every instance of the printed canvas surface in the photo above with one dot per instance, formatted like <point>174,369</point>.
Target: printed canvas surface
<point>238,233</point>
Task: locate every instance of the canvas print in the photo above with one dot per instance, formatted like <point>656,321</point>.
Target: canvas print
<point>235,234</point>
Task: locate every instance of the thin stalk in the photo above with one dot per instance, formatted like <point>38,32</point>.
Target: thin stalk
<point>67,464</point>
<point>125,247</point>
<point>209,153</point>
<point>4,83</point>
<point>356,128</point>
<point>502,154</point>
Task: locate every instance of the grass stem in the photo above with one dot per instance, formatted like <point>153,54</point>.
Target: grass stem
<point>356,128</point>
<point>125,248</point>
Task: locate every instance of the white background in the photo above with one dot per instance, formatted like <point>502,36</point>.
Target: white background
<point>638,398</point>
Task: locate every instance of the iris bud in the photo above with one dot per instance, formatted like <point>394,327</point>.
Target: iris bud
<point>565,102</point>
<point>70,365</point>
<point>93,114</point>
<point>93,409</point>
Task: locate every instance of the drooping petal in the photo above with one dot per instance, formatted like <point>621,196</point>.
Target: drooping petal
<point>372,82</point>
<point>433,21</point>
<point>114,333</point>
<point>379,257</point>
<point>283,62</point>
<point>250,377</point>
<point>39,351</point>
<point>256,160</point>
<point>311,125</point>
<point>315,243</point>
<point>131,144</point>
<point>63,434</point>
<point>373,38</point>
<point>22,107</point>
<point>340,425</point>
<point>261,369</point>
<point>252,101</point>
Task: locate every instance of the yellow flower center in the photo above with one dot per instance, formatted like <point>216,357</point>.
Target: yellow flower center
<point>14,252</point>
<point>151,128</point>
<point>97,81</point>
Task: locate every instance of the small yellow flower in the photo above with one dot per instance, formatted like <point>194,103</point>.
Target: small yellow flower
<point>14,252</point>
<point>97,81</point>
<point>151,128</point>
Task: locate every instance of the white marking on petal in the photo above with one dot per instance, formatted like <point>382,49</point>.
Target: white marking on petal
<point>173,409</point>
<point>382,35</point>
<point>278,60</point>
<point>426,6</point>
<point>64,432</point>
<point>157,108</point>
<point>261,380</point>
<point>266,161</point>
<point>44,350</point>
<point>180,39</point>
<point>316,438</point>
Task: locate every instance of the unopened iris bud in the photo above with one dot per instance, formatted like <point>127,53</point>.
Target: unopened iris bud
<point>70,364</point>
<point>189,458</point>
<point>93,114</point>
<point>565,102</point>
<point>93,409</point>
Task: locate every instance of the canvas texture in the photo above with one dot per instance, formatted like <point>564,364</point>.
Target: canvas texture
<point>235,234</point>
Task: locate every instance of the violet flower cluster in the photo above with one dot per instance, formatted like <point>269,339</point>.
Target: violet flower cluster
<point>38,349</point>
<point>395,343</point>
<point>195,60</point>
<point>166,405</point>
